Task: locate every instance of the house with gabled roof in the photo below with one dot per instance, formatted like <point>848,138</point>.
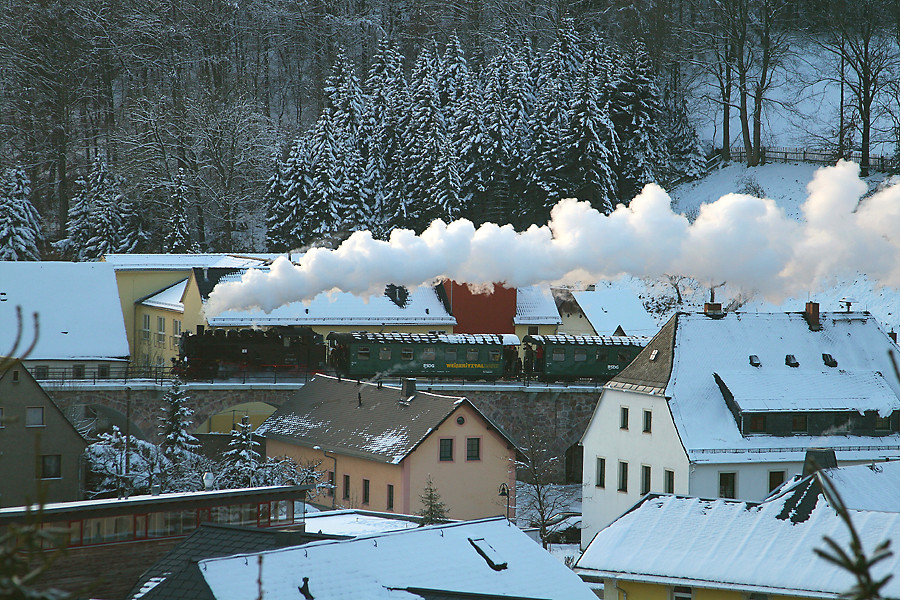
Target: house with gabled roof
<point>40,449</point>
<point>687,548</point>
<point>79,331</point>
<point>476,560</point>
<point>726,405</point>
<point>380,444</point>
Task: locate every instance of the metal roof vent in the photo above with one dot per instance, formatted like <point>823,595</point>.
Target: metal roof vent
<point>829,360</point>
<point>713,309</point>
<point>791,360</point>
<point>754,361</point>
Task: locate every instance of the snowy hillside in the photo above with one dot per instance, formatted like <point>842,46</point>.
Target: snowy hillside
<point>786,185</point>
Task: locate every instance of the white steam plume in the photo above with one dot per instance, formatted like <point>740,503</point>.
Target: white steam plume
<point>746,241</point>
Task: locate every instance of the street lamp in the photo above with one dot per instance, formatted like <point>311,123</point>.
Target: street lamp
<point>334,458</point>
<point>504,493</point>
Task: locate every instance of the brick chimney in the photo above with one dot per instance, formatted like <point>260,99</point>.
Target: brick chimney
<point>713,309</point>
<point>811,314</point>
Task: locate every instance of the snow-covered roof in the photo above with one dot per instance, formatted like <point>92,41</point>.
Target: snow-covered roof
<point>422,307</point>
<point>873,486</point>
<point>178,262</point>
<point>589,340</point>
<point>535,306</point>
<point>505,339</point>
<point>766,548</point>
<point>356,522</point>
<point>169,298</point>
<point>484,558</point>
<point>326,413</point>
<point>830,390</point>
<point>77,305</point>
<point>608,308</point>
<point>692,348</point>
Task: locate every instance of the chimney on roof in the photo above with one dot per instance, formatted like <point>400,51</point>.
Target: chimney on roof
<point>818,459</point>
<point>811,314</point>
<point>713,309</point>
<point>893,336</point>
<point>408,388</point>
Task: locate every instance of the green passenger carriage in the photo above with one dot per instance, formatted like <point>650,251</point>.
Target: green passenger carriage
<point>568,357</point>
<point>463,356</point>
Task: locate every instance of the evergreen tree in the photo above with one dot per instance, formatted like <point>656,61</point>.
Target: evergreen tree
<point>287,197</point>
<point>433,510</point>
<point>178,237</point>
<point>20,223</point>
<point>241,460</point>
<point>175,423</point>
<point>686,159</point>
<point>345,96</point>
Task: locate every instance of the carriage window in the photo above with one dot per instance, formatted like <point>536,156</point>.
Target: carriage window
<point>559,354</point>
<point>494,355</point>
<point>428,354</point>
<point>580,355</point>
<point>602,356</point>
<point>450,354</point>
<point>363,353</point>
<point>406,354</point>
<point>623,357</point>
<point>472,354</point>
<point>384,354</point>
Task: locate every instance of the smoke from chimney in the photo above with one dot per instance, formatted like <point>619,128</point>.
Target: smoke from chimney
<point>747,241</point>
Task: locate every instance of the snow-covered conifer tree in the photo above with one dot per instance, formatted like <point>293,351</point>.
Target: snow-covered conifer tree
<point>178,237</point>
<point>175,422</point>
<point>20,223</point>
<point>241,460</point>
<point>685,153</point>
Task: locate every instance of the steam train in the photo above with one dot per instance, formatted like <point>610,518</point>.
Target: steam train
<point>220,353</point>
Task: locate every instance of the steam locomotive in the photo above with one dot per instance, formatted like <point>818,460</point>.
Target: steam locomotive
<point>300,350</point>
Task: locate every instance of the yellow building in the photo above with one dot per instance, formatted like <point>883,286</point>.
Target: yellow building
<point>379,445</point>
<point>682,548</point>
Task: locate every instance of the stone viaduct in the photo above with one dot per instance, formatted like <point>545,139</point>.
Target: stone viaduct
<point>559,414</point>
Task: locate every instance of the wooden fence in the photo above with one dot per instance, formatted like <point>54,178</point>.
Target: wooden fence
<point>884,164</point>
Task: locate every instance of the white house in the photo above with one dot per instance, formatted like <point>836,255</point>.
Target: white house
<point>726,405</point>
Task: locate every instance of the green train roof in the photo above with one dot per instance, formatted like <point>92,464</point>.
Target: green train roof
<point>469,339</point>
<point>587,340</point>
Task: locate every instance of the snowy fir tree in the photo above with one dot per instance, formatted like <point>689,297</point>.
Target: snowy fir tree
<point>242,460</point>
<point>20,224</point>
<point>433,509</point>
<point>178,237</point>
<point>686,157</point>
<point>175,422</point>
<point>105,460</point>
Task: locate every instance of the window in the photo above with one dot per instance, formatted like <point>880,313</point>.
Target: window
<point>882,423</point>
<point>390,497</point>
<point>78,371</point>
<point>623,417</point>
<point>450,354</point>
<point>161,330</point>
<point>331,483</point>
<point>682,593</point>
<point>428,354</point>
<point>799,423</point>
<point>580,354</point>
<point>601,473</point>
<point>757,424</point>
<point>51,466</point>
<point>623,357</point>
<point>558,355</point>
<point>406,354</point>
<point>363,353</point>
<point>645,479</point>
<point>145,333</point>
<point>532,330</point>
<point>776,478</point>
<point>103,371</point>
<point>1,417</point>
<point>176,327</point>
<point>346,487</point>
<point>473,448</point>
<point>446,453</point>
<point>15,375</point>
<point>623,476</point>
<point>472,354</point>
<point>493,355</point>
<point>41,372</point>
<point>365,491</point>
<point>648,421</point>
<point>727,486</point>
<point>669,481</point>
<point>34,416</point>
<point>384,354</point>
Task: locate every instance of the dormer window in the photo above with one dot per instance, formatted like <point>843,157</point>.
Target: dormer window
<point>791,361</point>
<point>829,360</point>
<point>754,361</point>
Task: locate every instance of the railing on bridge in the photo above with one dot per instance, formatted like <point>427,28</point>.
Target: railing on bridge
<point>82,375</point>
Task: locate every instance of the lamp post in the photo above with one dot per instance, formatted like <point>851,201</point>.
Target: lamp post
<point>504,493</point>
<point>334,458</point>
